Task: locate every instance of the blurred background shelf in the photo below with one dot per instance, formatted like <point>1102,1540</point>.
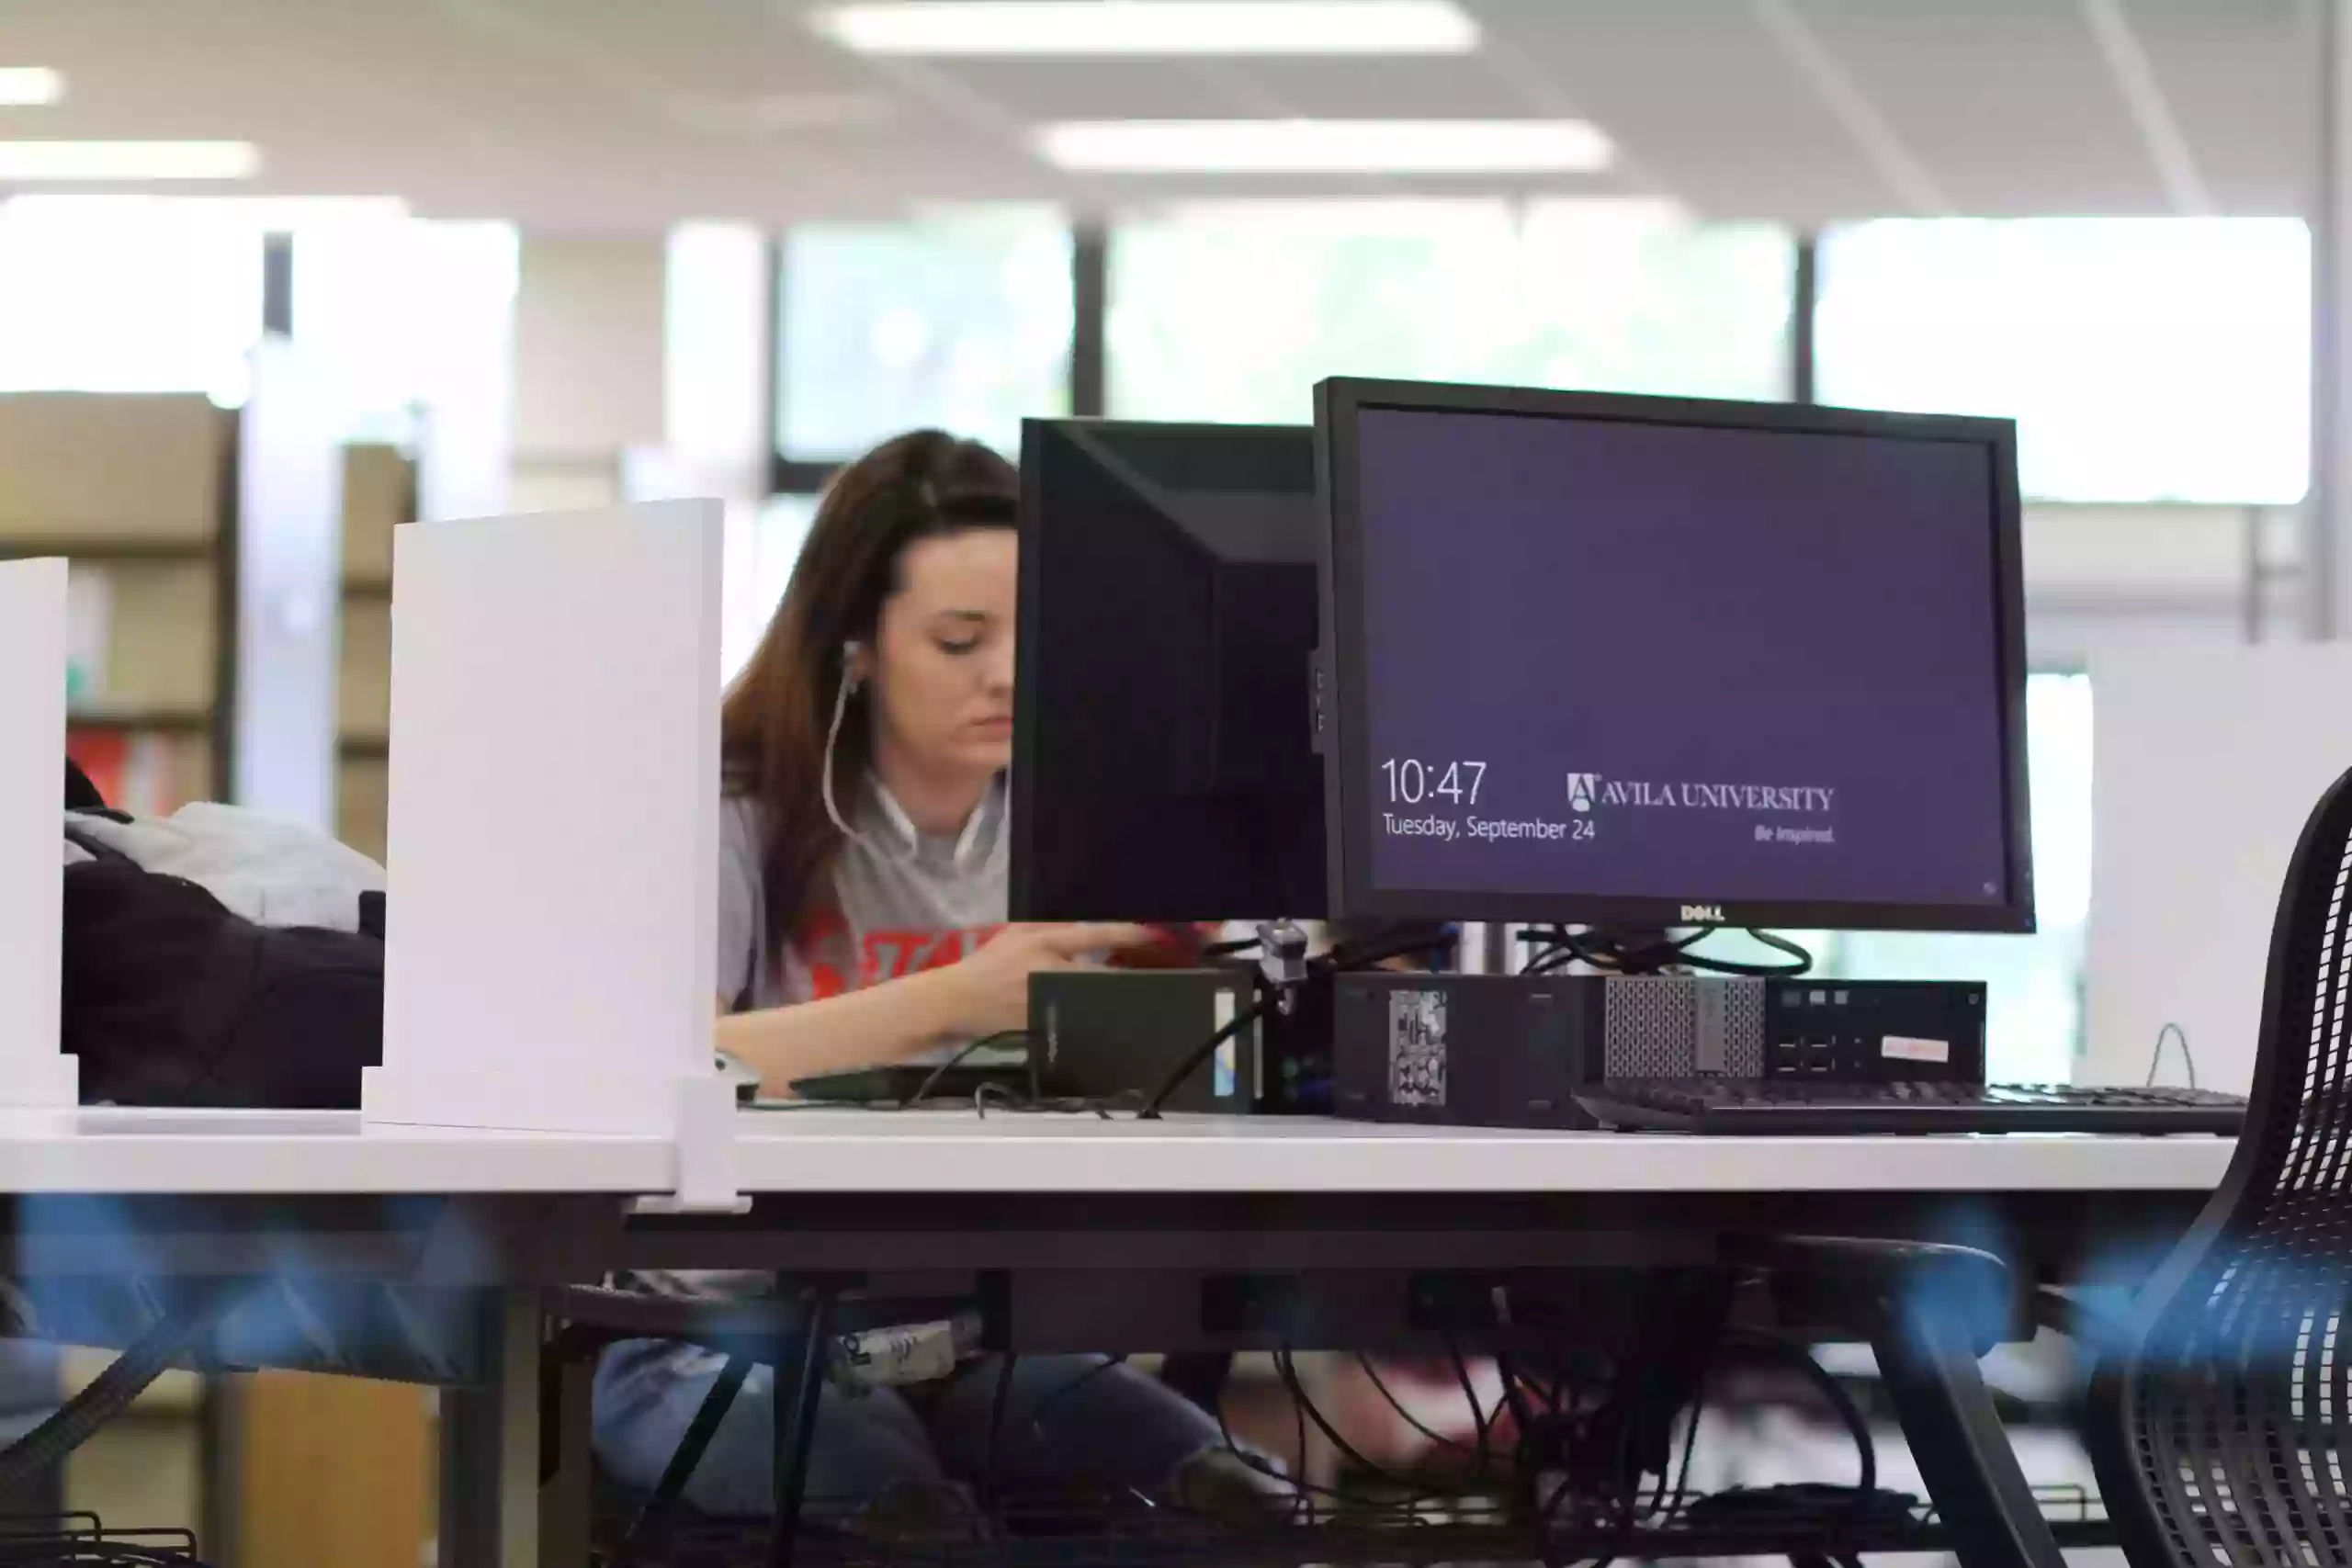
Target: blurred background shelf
<point>139,492</point>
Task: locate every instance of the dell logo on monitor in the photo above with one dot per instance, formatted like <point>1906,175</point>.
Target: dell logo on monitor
<point>1703,914</point>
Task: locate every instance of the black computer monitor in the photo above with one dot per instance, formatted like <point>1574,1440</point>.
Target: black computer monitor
<point>1602,660</point>
<point>1163,764</point>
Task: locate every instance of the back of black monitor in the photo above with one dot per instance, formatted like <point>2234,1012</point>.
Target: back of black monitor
<point>1163,767</point>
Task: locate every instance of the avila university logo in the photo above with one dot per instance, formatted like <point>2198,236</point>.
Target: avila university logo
<point>1590,791</point>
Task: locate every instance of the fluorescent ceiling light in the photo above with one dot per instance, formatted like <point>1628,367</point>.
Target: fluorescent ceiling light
<point>84,161</point>
<point>1326,147</point>
<point>29,86</point>
<point>1150,27</point>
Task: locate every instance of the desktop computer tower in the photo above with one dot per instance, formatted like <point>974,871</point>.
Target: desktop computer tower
<point>1113,1036</point>
<point>1514,1051</point>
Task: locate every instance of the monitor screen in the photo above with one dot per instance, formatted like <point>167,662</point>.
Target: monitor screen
<point>1614,658</point>
<point>1163,763</point>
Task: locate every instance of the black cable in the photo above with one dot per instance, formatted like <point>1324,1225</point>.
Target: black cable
<point>1300,1487</point>
<point>1364,952</point>
<point>1287,1369</point>
<point>1409,1419</point>
<point>2174,1031</point>
<point>1006,1361</point>
<point>1612,953</point>
<point>685,1457</point>
<point>1352,955</point>
<point>1003,1098</point>
<point>1305,1496</point>
<point>1198,1055</point>
<point>1304,1491</point>
<point>1801,1360</point>
<point>110,1393</point>
<point>1478,1421</point>
<point>1002,1037</point>
<point>1650,957</point>
<point>1690,1447</point>
<point>1231,949</point>
<point>1514,1396</point>
<point>1037,1410</point>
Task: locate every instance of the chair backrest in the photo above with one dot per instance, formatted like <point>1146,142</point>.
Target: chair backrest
<point>2220,1422</point>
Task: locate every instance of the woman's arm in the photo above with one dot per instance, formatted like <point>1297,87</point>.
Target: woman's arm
<point>987,993</point>
<point>883,1023</point>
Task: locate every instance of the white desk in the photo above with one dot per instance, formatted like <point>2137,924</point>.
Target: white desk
<point>846,1151</point>
<point>109,1151</point>
<point>1121,1210</point>
<point>863,1151</point>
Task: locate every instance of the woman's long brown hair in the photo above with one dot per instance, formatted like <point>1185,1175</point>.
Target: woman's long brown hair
<point>919,486</point>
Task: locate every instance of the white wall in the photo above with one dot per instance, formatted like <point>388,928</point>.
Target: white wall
<point>2209,760</point>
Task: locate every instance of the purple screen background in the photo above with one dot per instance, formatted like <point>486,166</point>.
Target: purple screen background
<point>1656,603</point>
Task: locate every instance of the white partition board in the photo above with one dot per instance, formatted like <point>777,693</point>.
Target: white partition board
<point>33,1071</point>
<point>2205,764</point>
<point>550,955</point>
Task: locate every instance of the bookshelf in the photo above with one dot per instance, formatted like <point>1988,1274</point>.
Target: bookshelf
<point>139,493</point>
<point>380,493</point>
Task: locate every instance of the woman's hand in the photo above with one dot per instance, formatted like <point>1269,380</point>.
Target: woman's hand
<point>988,991</point>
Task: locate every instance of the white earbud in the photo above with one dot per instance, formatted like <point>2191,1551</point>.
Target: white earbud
<point>852,678</point>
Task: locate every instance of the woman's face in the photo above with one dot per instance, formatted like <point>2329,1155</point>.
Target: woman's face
<point>942,668</point>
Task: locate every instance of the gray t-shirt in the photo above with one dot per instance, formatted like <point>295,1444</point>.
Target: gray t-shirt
<point>905,901</point>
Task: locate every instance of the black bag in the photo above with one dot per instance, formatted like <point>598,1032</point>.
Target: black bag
<point>170,998</point>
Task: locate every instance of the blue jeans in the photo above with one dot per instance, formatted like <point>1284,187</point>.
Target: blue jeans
<point>1118,1428</point>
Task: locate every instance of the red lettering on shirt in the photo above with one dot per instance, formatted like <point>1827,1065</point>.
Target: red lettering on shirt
<point>885,955</point>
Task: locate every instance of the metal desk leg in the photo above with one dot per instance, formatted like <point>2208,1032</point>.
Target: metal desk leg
<point>567,1435</point>
<point>489,1449</point>
<point>799,1381</point>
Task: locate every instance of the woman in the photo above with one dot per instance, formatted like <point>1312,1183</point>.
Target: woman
<point>862,904</point>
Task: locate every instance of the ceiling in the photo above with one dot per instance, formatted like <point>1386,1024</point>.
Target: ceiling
<point>619,115</point>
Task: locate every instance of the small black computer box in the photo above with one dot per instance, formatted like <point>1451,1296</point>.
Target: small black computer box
<point>1511,1051</point>
<point>1112,1037</point>
<point>1460,1050</point>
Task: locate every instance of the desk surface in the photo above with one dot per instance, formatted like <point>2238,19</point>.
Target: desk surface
<point>885,1152</point>
<point>243,1152</point>
<point>867,1151</point>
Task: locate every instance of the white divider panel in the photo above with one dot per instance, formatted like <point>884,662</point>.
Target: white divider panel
<point>2205,762</point>
<point>33,1070</point>
<point>550,960</point>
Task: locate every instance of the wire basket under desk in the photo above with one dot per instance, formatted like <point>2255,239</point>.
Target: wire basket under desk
<point>1076,1532</point>
<point>82,1540</point>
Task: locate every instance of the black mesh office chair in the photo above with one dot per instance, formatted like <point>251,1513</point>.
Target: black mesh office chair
<point>2219,1420</point>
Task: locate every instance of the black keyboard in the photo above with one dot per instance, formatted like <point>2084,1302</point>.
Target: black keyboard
<point>1819,1108</point>
<point>897,1084</point>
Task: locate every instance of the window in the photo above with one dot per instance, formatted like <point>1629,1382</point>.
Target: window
<point>111,294</point>
<point>2035,1027</point>
<point>404,316</point>
<point>1233,311</point>
<point>755,586</point>
<point>2145,359</point>
<point>959,319</point>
